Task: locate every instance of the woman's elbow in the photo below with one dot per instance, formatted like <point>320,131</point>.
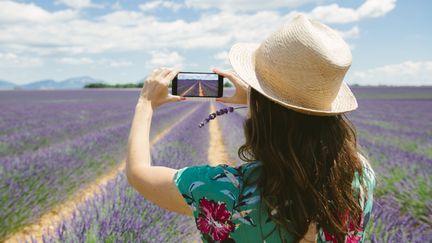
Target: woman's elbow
<point>129,173</point>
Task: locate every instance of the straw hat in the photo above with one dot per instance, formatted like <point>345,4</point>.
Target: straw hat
<point>300,66</point>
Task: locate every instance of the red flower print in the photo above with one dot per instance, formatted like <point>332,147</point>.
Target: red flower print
<point>329,237</point>
<point>214,219</point>
<point>351,237</point>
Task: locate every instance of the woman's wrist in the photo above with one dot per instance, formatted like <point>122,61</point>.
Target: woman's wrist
<point>144,104</point>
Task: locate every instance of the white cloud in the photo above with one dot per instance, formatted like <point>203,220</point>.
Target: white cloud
<point>12,60</point>
<point>245,5</point>
<point>333,13</point>
<point>406,73</point>
<point>222,57</point>
<point>86,61</point>
<point>164,58</point>
<point>29,28</point>
<point>352,33</point>
<point>76,60</point>
<point>115,63</point>
<point>148,6</point>
<point>128,19</point>
<point>16,13</point>
<point>376,8</point>
<point>117,6</point>
<point>34,31</point>
<point>78,4</point>
<point>130,30</point>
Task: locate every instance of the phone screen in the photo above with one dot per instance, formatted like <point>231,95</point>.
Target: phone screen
<point>198,84</point>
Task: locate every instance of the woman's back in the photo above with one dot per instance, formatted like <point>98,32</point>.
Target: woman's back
<point>297,138</point>
<point>228,210</point>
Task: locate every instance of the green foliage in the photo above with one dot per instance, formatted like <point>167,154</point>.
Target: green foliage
<point>395,176</point>
<point>115,86</point>
<point>4,147</point>
<point>228,84</point>
<point>104,85</point>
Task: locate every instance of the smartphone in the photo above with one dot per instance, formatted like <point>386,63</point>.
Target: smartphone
<point>197,84</point>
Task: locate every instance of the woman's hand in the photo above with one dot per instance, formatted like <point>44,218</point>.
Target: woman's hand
<point>241,92</point>
<point>155,88</point>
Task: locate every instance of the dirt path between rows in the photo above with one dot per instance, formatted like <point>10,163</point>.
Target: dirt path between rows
<point>186,92</point>
<point>64,210</point>
<point>200,88</point>
<point>216,152</point>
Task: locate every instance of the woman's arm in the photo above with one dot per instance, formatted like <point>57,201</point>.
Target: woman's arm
<point>155,183</point>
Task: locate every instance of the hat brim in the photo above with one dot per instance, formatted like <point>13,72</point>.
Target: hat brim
<point>242,59</point>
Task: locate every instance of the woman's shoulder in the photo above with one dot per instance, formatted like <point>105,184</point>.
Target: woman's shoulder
<point>213,170</point>
<point>214,176</point>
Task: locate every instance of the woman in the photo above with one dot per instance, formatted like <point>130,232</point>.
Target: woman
<point>303,180</point>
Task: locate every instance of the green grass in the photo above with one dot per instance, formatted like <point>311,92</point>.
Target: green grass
<point>395,96</point>
<point>378,123</point>
<point>4,148</point>
<point>405,145</point>
<point>388,182</point>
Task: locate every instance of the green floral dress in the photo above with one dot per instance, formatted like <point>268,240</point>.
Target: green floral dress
<point>226,210</point>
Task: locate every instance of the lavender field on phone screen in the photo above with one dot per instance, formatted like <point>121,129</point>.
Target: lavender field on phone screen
<point>187,88</point>
<point>54,142</point>
<point>210,87</point>
<point>197,87</point>
<point>197,84</point>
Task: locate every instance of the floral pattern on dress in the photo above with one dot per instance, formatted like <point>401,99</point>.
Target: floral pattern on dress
<point>214,219</point>
<point>350,237</point>
<point>221,204</point>
<point>245,197</point>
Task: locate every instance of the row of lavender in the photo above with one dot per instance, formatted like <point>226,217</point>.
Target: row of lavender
<point>396,132</point>
<point>395,129</point>
<point>84,134</point>
<point>121,214</point>
<point>403,201</point>
<point>210,87</point>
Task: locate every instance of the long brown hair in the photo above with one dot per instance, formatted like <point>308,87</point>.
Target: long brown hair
<point>308,165</point>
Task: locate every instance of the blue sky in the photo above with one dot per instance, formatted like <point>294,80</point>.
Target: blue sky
<point>121,41</point>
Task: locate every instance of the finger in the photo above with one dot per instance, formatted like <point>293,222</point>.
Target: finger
<point>171,75</point>
<point>224,99</point>
<point>225,73</point>
<point>154,73</point>
<point>229,75</point>
<point>222,72</point>
<point>173,98</point>
<point>163,73</point>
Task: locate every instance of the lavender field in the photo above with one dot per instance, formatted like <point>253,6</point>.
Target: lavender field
<point>197,88</point>
<point>52,143</point>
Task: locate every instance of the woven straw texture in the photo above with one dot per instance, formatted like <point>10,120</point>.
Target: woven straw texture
<point>300,66</point>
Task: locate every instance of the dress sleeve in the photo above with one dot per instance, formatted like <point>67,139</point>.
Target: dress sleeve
<point>367,198</point>
<point>216,183</point>
<point>211,192</point>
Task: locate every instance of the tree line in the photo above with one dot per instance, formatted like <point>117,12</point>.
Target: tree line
<point>128,85</point>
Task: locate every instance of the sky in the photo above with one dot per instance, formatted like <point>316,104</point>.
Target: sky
<point>194,76</point>
<point>121,41</point>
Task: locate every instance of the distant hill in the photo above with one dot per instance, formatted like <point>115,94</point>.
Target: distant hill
<point>71,83</point>
<point>7,85</point>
